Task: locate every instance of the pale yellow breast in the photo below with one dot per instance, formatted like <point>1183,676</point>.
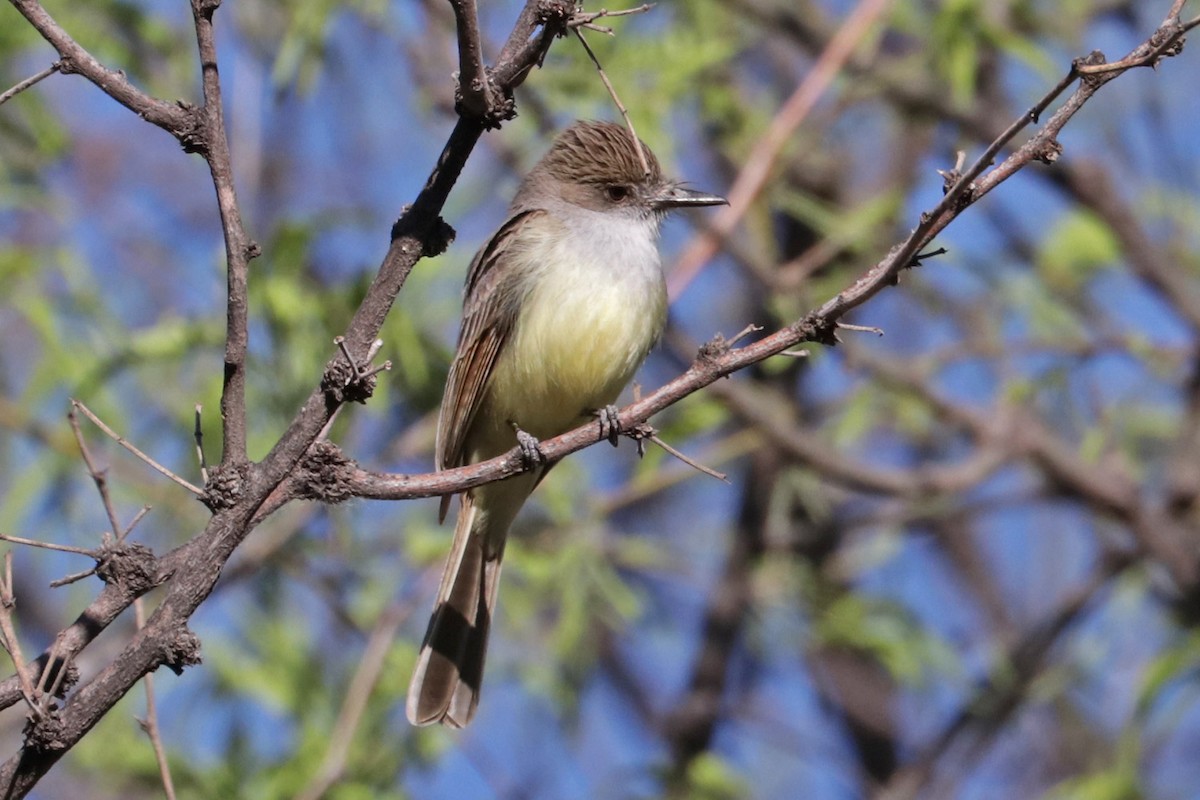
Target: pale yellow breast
<point>594,306</point>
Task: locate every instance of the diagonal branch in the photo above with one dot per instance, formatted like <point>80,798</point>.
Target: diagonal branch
<point>175,118</point>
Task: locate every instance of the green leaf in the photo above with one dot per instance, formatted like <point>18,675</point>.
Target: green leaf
<point>710,777</point>
<point>1076,246</point>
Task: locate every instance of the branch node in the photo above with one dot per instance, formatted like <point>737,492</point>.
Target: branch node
<point>193,137</point>
<point>498,105</point>
<point>1162,39</point>
<point>1092,59</point>
<point>47,734</point>
<point>817,328</point>
<point>713,349</point>
<point>641,434</point>
<point>1049,152</point>
<point>437,239</point>
<point>182,652</point>
<point>324,474</point>
<point>346,381</point>
<point>561,12</point>
<point>205,8</point>
<point>129,566</point>
<point>226,485</point>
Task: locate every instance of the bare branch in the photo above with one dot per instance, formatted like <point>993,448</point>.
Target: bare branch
<point>175,118</point>
<point>32,80</point>
<point>194,568</point>
<point>239,248</point>
<point>159,468</point>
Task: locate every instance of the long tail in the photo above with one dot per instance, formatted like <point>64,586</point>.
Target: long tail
<point>445,685</point>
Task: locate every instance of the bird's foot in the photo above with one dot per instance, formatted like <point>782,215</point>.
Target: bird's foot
<point>610,423</point>
<point>531,449</point>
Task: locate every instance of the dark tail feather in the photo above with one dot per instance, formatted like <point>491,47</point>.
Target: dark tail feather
<point>445,685</point>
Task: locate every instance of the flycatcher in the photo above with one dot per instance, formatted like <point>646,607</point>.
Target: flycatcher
<point>561,307</point>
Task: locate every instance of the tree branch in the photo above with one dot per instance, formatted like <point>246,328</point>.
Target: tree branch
<point>175,118</point>
<point>239,249</point>
<point>191,571</point>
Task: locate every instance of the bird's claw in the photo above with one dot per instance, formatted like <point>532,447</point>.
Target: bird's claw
<point>610,423</point>
<point>531,449</point>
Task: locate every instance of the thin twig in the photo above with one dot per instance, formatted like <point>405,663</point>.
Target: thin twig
<point>60,675</point>
<point>98,476</point>
<point>637,143</point>
<point>743,333</point>
<point>143,511</point>
<point>643,432</point>
<point>198,435</point>
<point>74,577</point>
<point>159,468</point>
<point>175,118</point>
<point>10,641</point>
<point>846,326</point>
<point>63,548</point>
<point>150,723</point>
<point>585,18</point>
<point>30,81</point>
<point>1147,59</point>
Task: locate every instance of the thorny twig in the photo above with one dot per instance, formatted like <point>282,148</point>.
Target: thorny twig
<point>116,437</point>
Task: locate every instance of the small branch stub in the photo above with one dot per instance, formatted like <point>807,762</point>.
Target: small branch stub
<point>324,474</point>
<point>225,486</point>
<point>498,104</point>
<point>439,238</point>
<point>181,653</point>
<point>128,565</point>
<point>346,381</point>
<point>1049,152</point>
<point>46,734</point>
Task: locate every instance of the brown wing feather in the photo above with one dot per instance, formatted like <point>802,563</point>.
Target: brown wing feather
<point>487,321</point>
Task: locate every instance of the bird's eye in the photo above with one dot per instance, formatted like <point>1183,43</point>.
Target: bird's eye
<point>616,192</point>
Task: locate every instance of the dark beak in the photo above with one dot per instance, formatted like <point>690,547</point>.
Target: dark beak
<point>672,196</point>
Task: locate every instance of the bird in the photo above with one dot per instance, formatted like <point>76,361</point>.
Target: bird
<point>561,306</point>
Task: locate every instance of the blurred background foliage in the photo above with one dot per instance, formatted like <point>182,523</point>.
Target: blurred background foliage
<point>913,586</point>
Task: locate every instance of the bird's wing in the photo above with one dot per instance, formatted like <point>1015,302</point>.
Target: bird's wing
<point>489,315</point>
